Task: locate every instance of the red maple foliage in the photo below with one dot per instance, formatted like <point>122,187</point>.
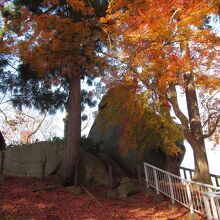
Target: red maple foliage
<point>18,201</point>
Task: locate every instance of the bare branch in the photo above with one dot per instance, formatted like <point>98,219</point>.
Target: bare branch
<point>88,121</point>
<point>37,128</point>
<point>210,116</point>
<point>213,128</point>
<point>184,120</point>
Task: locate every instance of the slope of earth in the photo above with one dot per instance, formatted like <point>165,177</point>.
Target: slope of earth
<point>19,201</point>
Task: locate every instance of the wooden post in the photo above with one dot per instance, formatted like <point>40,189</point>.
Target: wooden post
<point>43,169</point>
<point>139,176</point>
<point>2,164</point>
<point>110,176</point>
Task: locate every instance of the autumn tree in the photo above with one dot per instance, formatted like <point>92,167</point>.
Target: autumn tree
<point>141,127</point>
<point>62,39</point>
<point>165,45</point>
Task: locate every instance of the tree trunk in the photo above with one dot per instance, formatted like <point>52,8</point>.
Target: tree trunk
<point>68,173</point>
<point>201,173</point>
<point>196,138</point>
<point>200,157</point>
<point>193,134</point>
<point>192,131</point>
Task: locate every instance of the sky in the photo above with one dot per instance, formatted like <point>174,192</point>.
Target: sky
<point>213,153</point>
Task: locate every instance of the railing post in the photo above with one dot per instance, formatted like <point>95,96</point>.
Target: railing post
<point>207,206</point>
<point>184,172</point>
<point>213,205</point>
<point>43,169</point>
<point>218,205</point>
<point>216,181</point>
<point>171,189</point>
<point>2,163</point>
<point>191,174</point>
<point>146,175</point>
<point>156,180</point>
<point>189,197</point>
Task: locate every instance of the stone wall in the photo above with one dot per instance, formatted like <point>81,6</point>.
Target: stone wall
<point>26,160</point>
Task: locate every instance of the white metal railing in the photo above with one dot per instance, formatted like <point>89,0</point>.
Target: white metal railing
<point>188,174</point>
<point>186,192</point>
<point>212,204</point>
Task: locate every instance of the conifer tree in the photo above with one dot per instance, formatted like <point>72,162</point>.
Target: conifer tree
<point>60,42</point>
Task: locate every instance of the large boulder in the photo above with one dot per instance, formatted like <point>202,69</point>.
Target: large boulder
<point>107,135</point>
<point>127,187</point>
<point>92,170</point>
<point>117,172</point>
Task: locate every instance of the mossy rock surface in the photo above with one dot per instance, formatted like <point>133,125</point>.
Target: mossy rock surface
<point>127,187</point>
<point>92,170</point>
<point>76,190</point>
<point>157,197</point>
<point>148,192</point>
<point>113,194</point>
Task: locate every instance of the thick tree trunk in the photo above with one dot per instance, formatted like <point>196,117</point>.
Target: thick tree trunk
<point>192,132</point>
<point>200,157</point>
<point>68,173</point>
<point>201,164</point>
<point>2,142</point>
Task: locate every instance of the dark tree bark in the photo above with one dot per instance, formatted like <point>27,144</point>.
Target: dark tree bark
<point>2,142</point>
<point>68,173</point>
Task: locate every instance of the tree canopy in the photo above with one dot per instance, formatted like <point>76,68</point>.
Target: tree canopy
<point>164,45</point>
<point>152,49</point>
